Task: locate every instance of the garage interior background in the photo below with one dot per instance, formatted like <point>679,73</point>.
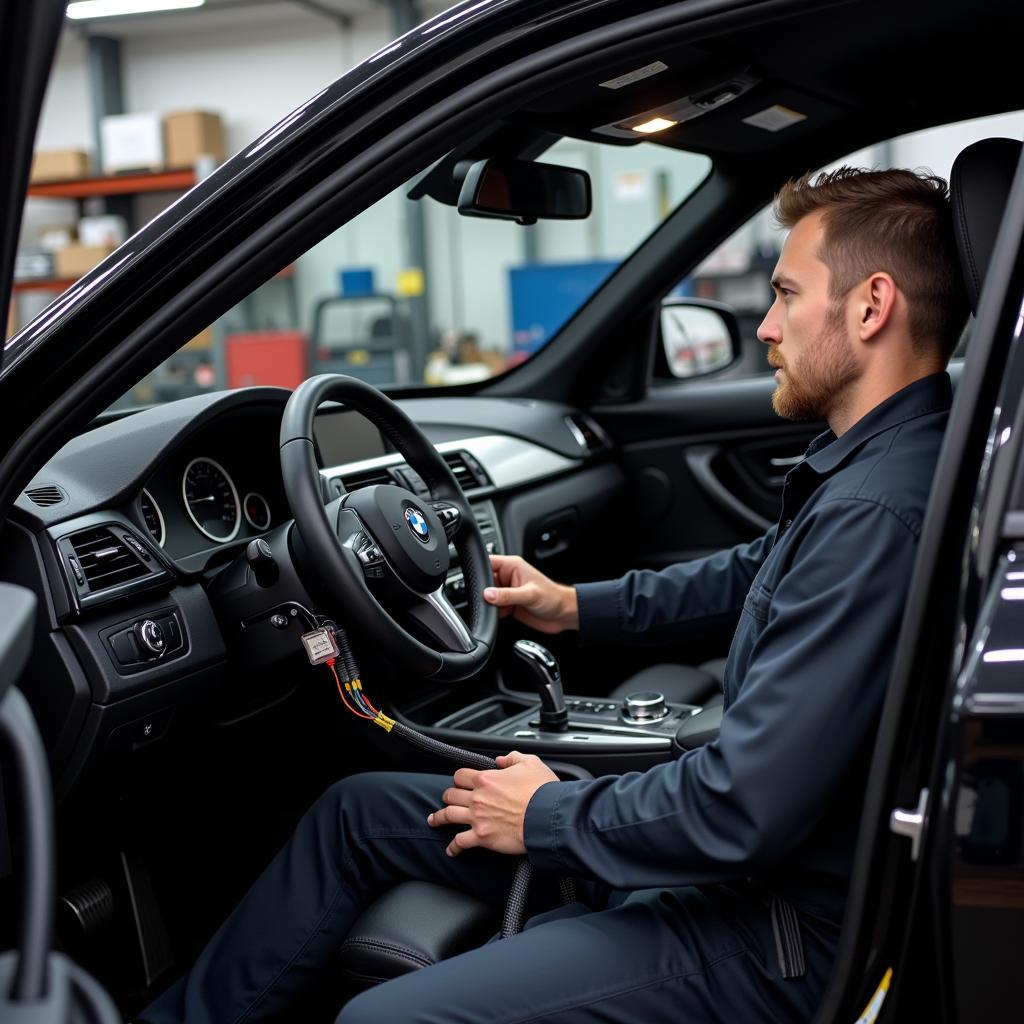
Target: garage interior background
<point>472,296</point>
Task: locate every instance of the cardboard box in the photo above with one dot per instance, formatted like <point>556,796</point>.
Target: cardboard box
<point>56,236</point>
<point>104,229</point>
<point>33,265</point>
<point>190,134</point>
<point>132,142</point>
<point>60,165</point>
<point>202,342</point>
<point>71,262</point>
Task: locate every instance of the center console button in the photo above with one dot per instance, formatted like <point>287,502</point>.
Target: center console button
<point>124,648</point>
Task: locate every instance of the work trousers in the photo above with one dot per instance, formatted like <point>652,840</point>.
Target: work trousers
<point>678,955</point>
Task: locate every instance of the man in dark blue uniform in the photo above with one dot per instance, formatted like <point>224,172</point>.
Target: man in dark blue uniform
<point>713,885</point>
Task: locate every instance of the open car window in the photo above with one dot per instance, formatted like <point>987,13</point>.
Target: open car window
<point>738,272</point>
<point>410,292</point>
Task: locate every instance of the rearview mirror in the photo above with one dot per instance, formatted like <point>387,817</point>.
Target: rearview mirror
<point>698,336</point>
<point>523,191</point>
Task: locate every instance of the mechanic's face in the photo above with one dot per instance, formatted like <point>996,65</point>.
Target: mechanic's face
<point>810,345</point>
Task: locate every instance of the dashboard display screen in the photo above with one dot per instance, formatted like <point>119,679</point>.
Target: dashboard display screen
<point>347,436</point>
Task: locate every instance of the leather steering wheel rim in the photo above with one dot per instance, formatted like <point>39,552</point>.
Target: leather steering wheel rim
<point>331,534</point>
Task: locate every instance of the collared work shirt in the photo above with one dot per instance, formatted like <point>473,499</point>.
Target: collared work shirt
<point>818,602</point>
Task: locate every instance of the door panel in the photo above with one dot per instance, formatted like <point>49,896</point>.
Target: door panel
<point>705,463</point>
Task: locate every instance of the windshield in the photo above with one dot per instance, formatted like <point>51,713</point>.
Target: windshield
<point>410,292</point>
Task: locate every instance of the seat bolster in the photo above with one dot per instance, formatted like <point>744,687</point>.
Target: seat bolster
<point>414,925</point>
<point>681,684</point>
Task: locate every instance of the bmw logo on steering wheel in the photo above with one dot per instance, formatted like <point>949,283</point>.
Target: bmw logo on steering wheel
<point>418,525</point>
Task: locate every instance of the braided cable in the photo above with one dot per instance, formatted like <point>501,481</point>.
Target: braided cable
<point>515,907</point>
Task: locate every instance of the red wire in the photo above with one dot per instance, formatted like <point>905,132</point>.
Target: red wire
<point>366,700</point>
<point>341,693</point>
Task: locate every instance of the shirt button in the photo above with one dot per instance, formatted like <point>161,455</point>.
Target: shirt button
<point>787,524</point>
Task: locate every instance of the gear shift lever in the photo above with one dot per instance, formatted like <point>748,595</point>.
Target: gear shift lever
<point>548,680</point>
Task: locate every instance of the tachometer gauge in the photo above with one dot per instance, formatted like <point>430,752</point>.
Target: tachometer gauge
<point>152,516</point>
<point>211,499</point>
<point>257,511</point>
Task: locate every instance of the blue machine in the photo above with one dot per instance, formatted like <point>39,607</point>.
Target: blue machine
<point>545,295</point>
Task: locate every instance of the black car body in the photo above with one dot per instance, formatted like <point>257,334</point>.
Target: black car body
<point>159,767</point>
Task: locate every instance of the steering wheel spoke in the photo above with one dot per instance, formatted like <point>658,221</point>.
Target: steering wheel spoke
<point>360,545</point>
<point>451,516</point>
<point>437,615</point>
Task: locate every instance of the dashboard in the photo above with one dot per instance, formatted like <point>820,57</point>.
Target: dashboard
<point>135,535</point>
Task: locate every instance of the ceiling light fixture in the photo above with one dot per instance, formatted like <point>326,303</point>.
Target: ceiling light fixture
<point>83,9</point>
<point>656,124</point>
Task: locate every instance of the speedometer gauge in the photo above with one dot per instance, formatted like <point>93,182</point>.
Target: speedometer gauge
<point>211,499</point>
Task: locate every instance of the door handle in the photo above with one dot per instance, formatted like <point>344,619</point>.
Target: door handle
<point>698,460</point>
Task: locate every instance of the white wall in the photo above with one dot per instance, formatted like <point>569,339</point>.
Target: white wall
<point>66,120</point>
<point>936,148</point>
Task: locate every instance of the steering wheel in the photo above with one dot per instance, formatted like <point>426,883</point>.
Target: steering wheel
<point>385,546</point>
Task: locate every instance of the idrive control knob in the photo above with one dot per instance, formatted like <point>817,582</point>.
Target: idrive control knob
<point>646,706</point>
<point>150,637</point>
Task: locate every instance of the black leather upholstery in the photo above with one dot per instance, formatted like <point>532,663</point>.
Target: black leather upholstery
<point>681,684</point>
<point>414,925</point>
<point>979,186</point>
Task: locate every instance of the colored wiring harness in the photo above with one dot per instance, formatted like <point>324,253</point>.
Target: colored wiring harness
<point>350,689</point>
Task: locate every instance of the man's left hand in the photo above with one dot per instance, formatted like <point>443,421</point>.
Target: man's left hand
<point>493,803</point>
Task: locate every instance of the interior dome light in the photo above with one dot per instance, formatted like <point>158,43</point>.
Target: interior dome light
<point>656,124</point>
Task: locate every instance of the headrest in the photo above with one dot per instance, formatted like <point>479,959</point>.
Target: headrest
<point>979,185</point>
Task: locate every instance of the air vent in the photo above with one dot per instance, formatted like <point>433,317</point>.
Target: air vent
<point>587,433</point>
<point>367,478</point>
<point>468,472</point>
<point>46,496</point>
<point>105,560</point>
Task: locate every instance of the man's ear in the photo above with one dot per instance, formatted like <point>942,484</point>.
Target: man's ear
<point>875,303</point>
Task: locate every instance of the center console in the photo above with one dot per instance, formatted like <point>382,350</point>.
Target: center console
<point>591,720</point>
<point>639,730</point>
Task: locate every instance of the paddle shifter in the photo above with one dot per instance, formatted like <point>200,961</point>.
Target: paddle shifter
<point>543,670</point>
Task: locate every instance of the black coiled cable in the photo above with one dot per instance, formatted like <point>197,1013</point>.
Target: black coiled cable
<point>515,908</point>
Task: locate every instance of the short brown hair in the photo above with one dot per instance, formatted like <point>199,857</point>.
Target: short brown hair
<point>895,221</point>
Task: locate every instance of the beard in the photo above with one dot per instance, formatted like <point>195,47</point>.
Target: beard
<point>812,388</point>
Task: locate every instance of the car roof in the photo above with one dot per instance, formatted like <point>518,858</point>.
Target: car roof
<point>904,66</point>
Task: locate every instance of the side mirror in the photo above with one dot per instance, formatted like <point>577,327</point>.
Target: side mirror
<point>523,191</point>
<point>698,336</point>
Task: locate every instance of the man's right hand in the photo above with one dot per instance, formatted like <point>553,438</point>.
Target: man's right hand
<point>528,595</point>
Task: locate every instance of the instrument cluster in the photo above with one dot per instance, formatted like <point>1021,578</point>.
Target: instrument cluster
<point>215,492</point>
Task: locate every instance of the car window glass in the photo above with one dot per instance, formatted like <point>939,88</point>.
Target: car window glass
<point>479,297</point>
<point>738,272</point>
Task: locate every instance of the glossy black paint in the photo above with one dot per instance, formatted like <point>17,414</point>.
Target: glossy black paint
<point>29,30</point>
<point>981,811</point>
